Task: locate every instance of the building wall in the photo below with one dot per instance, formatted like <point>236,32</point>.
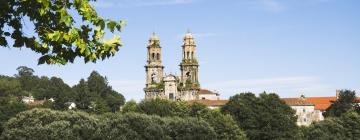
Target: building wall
<point>208,97</point>
<point>307,115</point>
<point>171,89</point>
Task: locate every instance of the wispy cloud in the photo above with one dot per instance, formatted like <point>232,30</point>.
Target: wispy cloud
<point>139,3</point>
<point>284,86</point>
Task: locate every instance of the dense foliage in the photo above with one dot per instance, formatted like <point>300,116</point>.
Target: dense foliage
<point>338,128</point>
<point>56,36</point>
<point>47,124</point>
<point>98,97</point>
<point>345,102</point>
<point>224,126</point>
<point>263,117</point>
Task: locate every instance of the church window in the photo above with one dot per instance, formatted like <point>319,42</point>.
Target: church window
<point>188,55</point>
<point>171,96</point>
<point>153,56</point>
<point>158,56</point>
<point>192,55</point>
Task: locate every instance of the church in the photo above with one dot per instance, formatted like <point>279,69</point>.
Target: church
<point>185,87</point>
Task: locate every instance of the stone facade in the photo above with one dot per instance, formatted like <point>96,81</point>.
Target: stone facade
<point>184,87</point>
<point>304,110</point>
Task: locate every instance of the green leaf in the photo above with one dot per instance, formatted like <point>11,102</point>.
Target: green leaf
<point>122,23</point>
<point>115,41</point>
<point>111,26</point>
<point>43,59</point>
<point>7,34</point>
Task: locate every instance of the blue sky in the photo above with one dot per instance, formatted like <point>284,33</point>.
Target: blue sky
<point>290,47</point>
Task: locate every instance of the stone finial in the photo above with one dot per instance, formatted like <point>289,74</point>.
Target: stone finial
<point>154,40</point>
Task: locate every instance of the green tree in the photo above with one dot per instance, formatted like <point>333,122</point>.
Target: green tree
<point>9,107</point>
<point>47,124</point>
<point>83,95</point>
<point>57,38</point>
<point>26,77</point>
<point>345,102</point>
<point>163,107</point>
<point>129,106</point>
<point>351,123</point>
<point>9,86</point>
<point>263,117</point>
<point>329,129</point>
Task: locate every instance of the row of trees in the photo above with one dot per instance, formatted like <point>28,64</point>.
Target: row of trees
<point>92,95</point>
<point>98,116</point>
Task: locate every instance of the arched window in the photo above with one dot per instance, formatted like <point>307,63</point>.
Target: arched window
<point>153,56</point>
<point>188,55</point>
<point>158,56</point>
<point>192,55</point>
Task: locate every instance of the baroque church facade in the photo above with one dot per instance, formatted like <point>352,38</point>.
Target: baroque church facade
<point>185,87</point>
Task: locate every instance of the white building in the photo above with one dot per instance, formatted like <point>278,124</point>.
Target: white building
<point>305,111</point>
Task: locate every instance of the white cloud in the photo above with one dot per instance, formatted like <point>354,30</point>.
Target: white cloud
<point>284,86</point>
<point>138,3</point>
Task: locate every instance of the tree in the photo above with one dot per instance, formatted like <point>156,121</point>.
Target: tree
<point>263,117</point>
<point>163,108</point>
<point>329,129</point>
<point>224,125</point>
<point>351,122</point>
<point>9,107</point>
<point>345,102</point>
<point>129,106</point>
<point>57,38</point>
<point>9,86</point>
<point>48,124</point>
<point>83,95</point>
<point>95,95</point>
<point>26,77</point>
<point>24,71</point>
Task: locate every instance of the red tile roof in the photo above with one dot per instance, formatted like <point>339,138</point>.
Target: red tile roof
<point>210,102</point>
<point>206,91</point>
<point>297,102</point>
<point>320,103</point>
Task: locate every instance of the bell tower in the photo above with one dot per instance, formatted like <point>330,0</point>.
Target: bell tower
<point>189,64</point>
<point>154,68</point>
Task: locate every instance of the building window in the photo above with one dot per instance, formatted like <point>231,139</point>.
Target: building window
<point>171,96</point>
<point>158,56</point>
<point>153,56</point>
<point>304,110</point>
<point>203,98</point>
<point>188,55</point>
<point>304,119</point>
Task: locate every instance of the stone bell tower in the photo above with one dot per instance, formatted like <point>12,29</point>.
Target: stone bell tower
<point>154,68</point>
<point>189,83</point>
